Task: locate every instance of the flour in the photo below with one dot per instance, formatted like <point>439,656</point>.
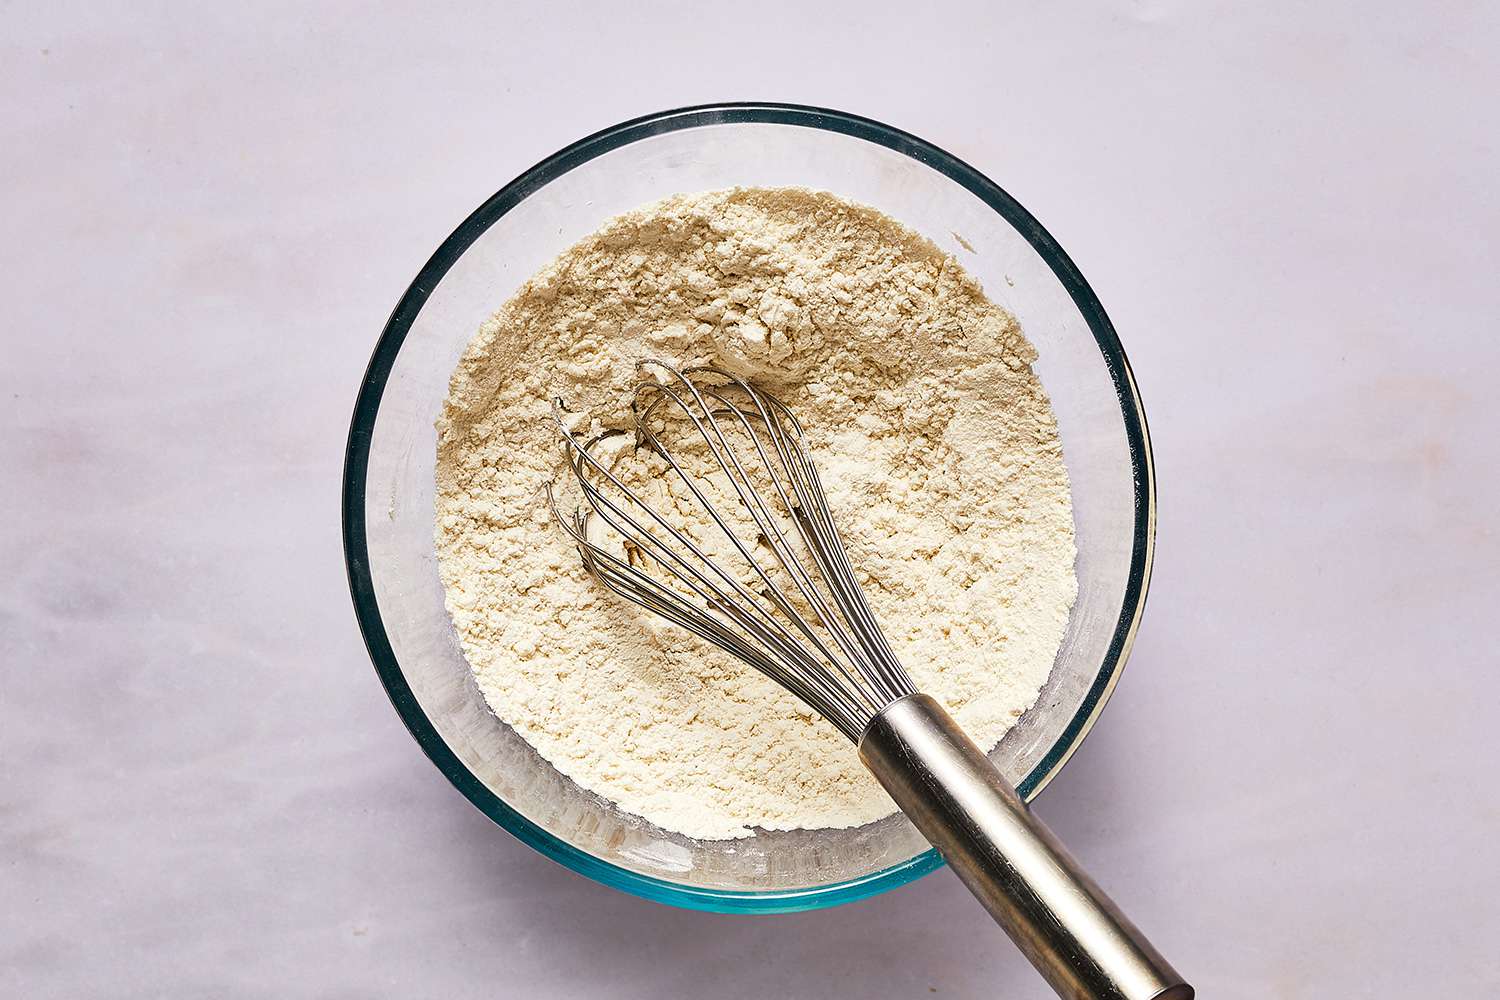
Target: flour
<point>938,450</point>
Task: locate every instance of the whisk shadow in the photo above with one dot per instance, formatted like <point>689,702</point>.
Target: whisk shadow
<point>925,939</point>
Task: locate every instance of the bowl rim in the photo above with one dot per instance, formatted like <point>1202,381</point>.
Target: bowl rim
<point>367,406</point>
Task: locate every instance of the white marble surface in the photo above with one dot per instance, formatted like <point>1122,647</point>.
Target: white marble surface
<point>1290,214</point>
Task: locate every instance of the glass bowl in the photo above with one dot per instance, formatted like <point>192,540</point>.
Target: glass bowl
<point>388,482</point>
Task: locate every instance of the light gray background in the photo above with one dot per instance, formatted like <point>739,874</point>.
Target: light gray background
<point>1290,214</point>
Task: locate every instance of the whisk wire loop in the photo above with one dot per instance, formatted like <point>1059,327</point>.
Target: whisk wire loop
<point>770,531</point>
<point>800,616</point>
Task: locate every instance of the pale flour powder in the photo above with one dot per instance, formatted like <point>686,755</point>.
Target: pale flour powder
<point>937,446</point>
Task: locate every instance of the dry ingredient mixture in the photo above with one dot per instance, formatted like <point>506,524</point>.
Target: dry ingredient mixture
<point>937,447</point>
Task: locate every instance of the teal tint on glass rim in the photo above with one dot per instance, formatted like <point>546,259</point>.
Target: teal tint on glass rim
<point>388,482</point>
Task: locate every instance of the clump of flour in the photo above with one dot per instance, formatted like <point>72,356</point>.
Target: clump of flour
<point>938,450</point>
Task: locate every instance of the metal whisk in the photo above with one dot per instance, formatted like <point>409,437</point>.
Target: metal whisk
<point>770,582</point>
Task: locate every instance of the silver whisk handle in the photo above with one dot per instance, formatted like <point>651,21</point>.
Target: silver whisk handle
<point>1064,923</point>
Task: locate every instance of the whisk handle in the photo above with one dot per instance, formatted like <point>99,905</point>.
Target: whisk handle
<point>1064,923</point>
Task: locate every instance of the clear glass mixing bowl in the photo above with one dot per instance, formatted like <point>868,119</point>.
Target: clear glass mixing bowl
<point>388,482</point>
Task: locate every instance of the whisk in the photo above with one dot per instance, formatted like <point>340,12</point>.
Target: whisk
<point>766,577</point>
